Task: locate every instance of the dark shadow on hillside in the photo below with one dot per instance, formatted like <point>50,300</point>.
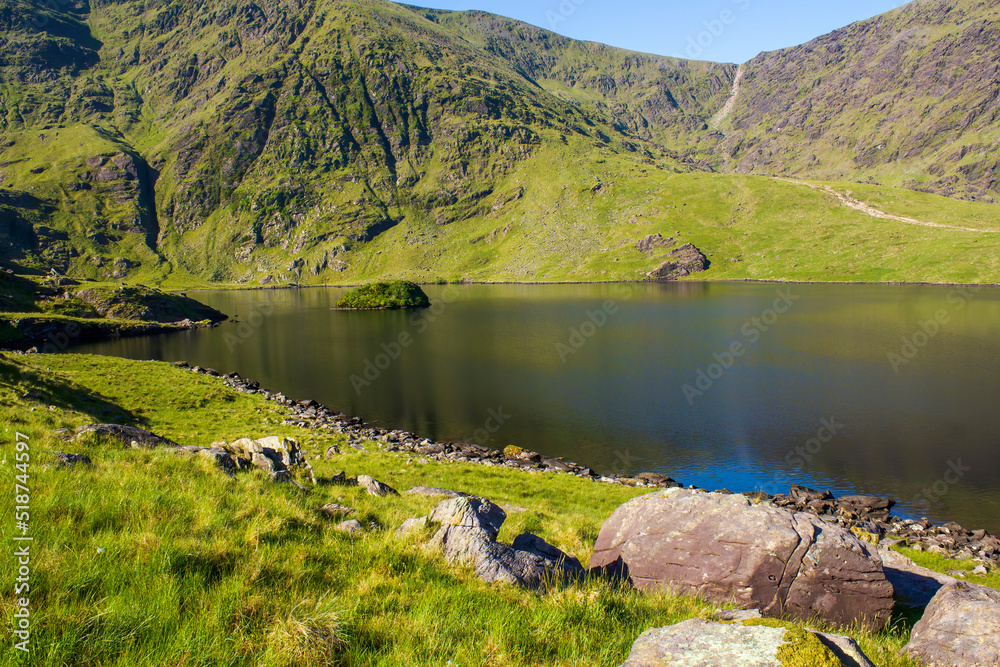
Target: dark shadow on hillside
<point>64,394</point>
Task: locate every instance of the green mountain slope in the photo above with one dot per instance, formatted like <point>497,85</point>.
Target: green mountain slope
<point>324,141</point>
<point>909,99</point>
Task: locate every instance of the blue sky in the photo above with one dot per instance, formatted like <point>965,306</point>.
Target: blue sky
<point>719,30</point>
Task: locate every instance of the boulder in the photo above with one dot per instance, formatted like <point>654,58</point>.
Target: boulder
<point>276,456</point>
<point>127,435</point>
<point>726,549</point>
<point>467,513</point>
<point>961,626</point>
<point>701,643</point>
<point>375,487</point>
<point>914,586</point>
<point>468,532</point>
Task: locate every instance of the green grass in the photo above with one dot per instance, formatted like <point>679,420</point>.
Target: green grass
<point>152,558</point>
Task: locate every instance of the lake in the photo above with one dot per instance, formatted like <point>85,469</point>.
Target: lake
<point>882,389</point>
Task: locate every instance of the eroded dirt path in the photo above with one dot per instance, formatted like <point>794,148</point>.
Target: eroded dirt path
<point>867,209</point>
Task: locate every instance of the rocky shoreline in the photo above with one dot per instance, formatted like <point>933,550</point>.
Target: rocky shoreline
<point>867,516</point>
<point>50,336</point>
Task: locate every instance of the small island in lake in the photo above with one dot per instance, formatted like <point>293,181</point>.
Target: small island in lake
<point>385,296</point>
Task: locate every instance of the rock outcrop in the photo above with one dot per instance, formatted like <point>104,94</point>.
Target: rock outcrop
<point>127,435</point>
<point>961,626</point>
<point>679,262</point>
<point>467,533</point>
<point>726,549</point>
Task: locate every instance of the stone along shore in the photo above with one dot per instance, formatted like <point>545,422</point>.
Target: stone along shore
<point>867,516</point>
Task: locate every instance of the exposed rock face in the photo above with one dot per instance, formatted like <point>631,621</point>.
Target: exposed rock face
<point>652,242</point>
<point>469,527</point>
<point>961,626</point>
<point>126,434</point>
<point>701,643</point>
<point>681,261</point>
<point>725,549</point>
<point>278,457</point>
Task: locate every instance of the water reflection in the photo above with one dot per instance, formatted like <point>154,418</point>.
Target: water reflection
<point>617,401</point>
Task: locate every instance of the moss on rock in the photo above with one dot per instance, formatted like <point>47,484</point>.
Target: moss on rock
<point>802,648</point>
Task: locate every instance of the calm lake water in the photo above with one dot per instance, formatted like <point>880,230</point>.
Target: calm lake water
<point>890,390</point>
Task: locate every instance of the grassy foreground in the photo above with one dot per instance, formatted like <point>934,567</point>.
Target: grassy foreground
<point>154,558</point>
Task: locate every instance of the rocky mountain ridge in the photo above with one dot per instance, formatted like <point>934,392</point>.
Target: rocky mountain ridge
<point>299,140</point>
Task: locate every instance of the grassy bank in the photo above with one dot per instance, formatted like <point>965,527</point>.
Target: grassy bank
<point>154,558</point>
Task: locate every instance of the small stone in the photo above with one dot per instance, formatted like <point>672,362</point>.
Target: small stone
<point>351,526</point>
<point>375,487</point>
<point>333,509</point>
<point>69,460</point>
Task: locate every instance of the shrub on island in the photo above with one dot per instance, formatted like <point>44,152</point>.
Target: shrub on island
<point>384,296</point>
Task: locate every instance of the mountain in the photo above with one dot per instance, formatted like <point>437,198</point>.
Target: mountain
<point>910,98</point>
<point>181,142</point>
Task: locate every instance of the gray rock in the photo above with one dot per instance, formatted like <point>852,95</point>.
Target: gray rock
<point>914,586</point>
<point>469,527</point>
<point>701,643</point>
<point>62,459</point>
<point>726,549</point>
<point>961,626</point>
<point>265,463</point>
<point>333,509</point>
<point>411,526</point>
<point>433,491</point>
<point>126,435</point>
<point>276,456</point>
<point>375,487</point>
<point>350,526</point>
<point>219,457</point>
<point>477,513</point>
<point>845,648</point>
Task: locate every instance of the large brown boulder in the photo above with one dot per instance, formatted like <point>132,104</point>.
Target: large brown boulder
<point>961,626</point>
<point>726,549</point>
